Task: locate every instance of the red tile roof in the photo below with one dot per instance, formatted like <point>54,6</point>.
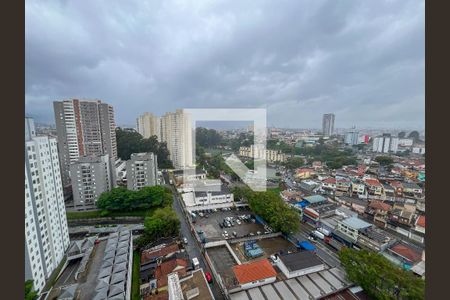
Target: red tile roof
<point>254,271</point>
<point>421,221</point>
<point>330,180</point>
<point>380,205</point>
<point>373,182</point>
<point>168,267</point>
<point>148,255</point>
<point>406,252</point>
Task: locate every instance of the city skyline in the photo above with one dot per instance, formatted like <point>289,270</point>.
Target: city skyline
<point>298,75</point>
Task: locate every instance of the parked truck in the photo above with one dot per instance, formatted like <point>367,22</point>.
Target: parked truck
<point>318,234</point>
<point>195,263</point>
<point>324,231</point>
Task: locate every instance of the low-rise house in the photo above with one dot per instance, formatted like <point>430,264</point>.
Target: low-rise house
<point>374,239</point>
<point>350,227</point>
<point>411,188</point>
<point>378,212</point>
<point>254,274</point>
<point>374,187</point>
<point>398,188</point>
<point>304,173</point>
<point>299,263</point>
<point>329,183</point>
<point>356,204</point>
<point>343,184</point>
<point>389,190</point>
<point>405,255</point>
<point>314,212</point>
<point>175,265</point>
<point>420,224</point>
<point>317,165</point>
<point>358,188</point>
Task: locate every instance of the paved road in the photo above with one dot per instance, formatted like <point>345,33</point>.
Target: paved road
<point>192,247</point>
<point>325,252</point>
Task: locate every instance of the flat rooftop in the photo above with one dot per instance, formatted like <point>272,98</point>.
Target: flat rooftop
<point>300,260</point>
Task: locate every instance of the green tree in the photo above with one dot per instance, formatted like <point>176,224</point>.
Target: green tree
<point>273,210</point>
<point>401,134</point>
<point>294,163</point>
<point>162,223</point>
<point>130,141</point>
<point>414,135</point>
<point>121,199</point>
<point>30,293</point>
<point>384,160</point>
<point>379,277</point>
<point>207,138</point>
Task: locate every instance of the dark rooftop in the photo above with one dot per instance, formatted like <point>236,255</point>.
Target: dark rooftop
<point>300,260</point>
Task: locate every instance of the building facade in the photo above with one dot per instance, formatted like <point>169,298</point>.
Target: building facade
<point>385,143</point>
<point>46,232</point>
<point>149,125</point>
<point>91,176</point>
<point>142,170</point>
<point>328,124</point>
<point>84,127</point>
<point>352,138</point>
<point>176,131</point>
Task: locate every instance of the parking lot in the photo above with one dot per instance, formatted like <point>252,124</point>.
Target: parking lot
<point>210,224</point>
<point>270,246</point>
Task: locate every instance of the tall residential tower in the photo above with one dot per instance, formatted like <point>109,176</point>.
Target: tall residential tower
<point>176,131</point>
<point>148,125</point>
<point>328,124</point>
<point>84,127</point>
<point>46,232</point>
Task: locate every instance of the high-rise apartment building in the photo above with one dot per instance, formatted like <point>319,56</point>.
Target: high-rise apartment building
<point>176,131</point>
<point>91,176</point>
<point>148,125</point>
<point>142,170</point>
<point>84,127</point>
<point>352,137</point>
<point>385,143</point>
<point>328,124</point>
<point>46,232</point>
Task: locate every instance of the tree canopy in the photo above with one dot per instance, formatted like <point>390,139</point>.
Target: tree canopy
<point>331,155</point>
<point>414,135</point>
<point>130,141</point>
<point>30,293</point>
<point>162,223</point>
<point>122,199</point>
<point>269,206</point>
<point>384,160</point>
<point>379,277</point>
<point>294,163</point>
<point>207,138</point>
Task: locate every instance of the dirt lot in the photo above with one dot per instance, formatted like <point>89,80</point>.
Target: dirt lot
<point>269,246</point>
<point>210,226</point>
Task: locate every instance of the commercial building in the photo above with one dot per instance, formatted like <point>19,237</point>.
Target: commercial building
<point>350,227</point>
<point>149,125</point>
<point>299,263</point>
<point>90,177</point>
<point>176,131</point>
<point>328,124</point>
<point>142,170</point>
<point>46,233</point>
<point>385,143</point>
<point>84,127</point>
<point>215,199</point>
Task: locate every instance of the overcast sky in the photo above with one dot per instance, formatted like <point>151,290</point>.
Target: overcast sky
<point>362,60</point>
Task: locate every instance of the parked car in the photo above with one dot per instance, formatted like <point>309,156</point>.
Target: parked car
<point>208,277</point>
<point>185,241</point>
<point>238,222</point>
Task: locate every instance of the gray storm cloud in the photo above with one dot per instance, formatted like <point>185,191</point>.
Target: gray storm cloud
<point>363,60</point>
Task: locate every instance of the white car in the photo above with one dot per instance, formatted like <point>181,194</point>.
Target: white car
<point>238,222</point>
<point>185,241</point>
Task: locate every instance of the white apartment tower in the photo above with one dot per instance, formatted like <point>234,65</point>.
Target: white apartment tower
<point>46,233</point>
<point>328,124</point>
<point>385,143</point>
<point>176,131</point>
<point>149,125</point>
<point>142,170</point>
<point>84,127</point>
<point>91,176</point>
